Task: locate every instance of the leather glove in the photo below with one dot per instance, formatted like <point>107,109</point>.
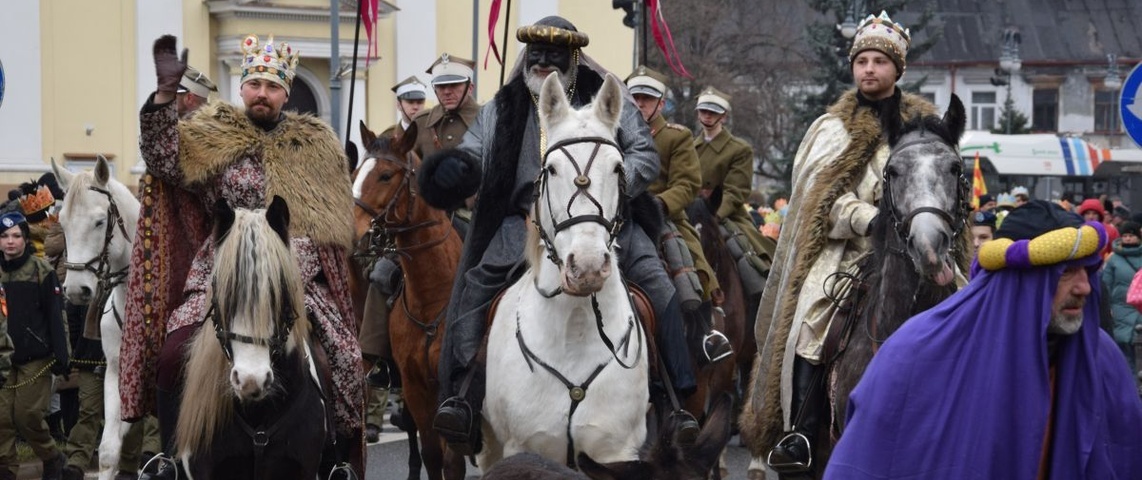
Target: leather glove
<point>449,173</point>
<point>169,67</point>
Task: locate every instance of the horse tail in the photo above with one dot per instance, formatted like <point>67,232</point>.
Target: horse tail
<point>210,396</point>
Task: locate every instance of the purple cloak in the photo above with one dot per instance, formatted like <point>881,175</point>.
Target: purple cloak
<point>962,391</point>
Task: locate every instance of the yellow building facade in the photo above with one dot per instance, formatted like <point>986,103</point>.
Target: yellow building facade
<point>76,72</point>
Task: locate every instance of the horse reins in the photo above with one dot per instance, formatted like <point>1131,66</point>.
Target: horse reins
<point>100,265</point>
<point>385,226</point>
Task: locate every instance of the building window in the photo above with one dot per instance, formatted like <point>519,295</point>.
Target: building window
<point>982,110</point>
<point>1106,118</point>
<point>1045,110</point>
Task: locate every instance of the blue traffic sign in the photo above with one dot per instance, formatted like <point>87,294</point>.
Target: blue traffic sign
<point>1130,105</point>
<point>2,83</point>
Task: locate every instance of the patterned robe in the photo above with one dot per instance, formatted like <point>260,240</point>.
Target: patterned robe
<point>219,154</point>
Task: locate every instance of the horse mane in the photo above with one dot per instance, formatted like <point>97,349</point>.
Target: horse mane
<point>922,124</point>
<point>255,276</point>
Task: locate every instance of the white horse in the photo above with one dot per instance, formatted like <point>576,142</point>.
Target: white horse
<point>99,218</point>
<point>567,359</point>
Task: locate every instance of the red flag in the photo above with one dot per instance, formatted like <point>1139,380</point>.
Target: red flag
<point>370,12</point>
<point>663,38</point>
<point>493,17</point>
<point>978,186</point>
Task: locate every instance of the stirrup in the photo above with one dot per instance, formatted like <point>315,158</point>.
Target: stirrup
<point>705,351</point>
<point>343,467</point>
<point>162,457</point>
<point>791,466</point>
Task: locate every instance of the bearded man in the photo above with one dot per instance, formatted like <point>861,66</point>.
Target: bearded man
<point>245,158</point>
<point>836,187</point>
<point>1011,377</point>
<point>500,157</point>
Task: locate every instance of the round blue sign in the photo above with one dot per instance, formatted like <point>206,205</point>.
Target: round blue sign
<point>1130,105</point>
<point>2,83</point>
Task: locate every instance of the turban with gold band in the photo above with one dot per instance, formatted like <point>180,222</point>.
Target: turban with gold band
<point>553,30</point>
<point>1040,234</point>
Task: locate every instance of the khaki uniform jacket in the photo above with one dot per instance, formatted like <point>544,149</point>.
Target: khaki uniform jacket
<point>437,130</point>
<point>679,177</point>
<point>727,161</point>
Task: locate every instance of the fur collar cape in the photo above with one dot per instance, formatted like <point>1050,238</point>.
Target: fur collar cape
<point>303,160</point>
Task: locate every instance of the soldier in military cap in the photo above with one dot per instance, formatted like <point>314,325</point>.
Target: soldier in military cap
<point>727,162</point>
<point>679,177</point>
<point>411,93</point>
<point>444,125</point>
<point>193,91</point>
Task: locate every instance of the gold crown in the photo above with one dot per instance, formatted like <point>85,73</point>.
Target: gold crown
<point>38,201</point>
<point>267,62</point>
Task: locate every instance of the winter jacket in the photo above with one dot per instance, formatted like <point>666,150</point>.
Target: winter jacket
<point>33,309</point>
<point>1116,276</point>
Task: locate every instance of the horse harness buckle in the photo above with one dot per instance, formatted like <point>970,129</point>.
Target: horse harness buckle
<point>261,439</point>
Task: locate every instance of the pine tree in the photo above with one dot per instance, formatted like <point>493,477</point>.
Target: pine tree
<point>1018,121</point>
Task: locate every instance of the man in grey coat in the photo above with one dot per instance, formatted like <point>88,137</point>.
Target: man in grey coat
<point>499,159</point>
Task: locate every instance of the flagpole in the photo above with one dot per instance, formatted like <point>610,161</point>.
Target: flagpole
<point>504,64</point>
<point>352,79</point>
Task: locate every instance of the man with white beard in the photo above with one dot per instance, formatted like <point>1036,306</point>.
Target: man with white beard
<point>499,158</point>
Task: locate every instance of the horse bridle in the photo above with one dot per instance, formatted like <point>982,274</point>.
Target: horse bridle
<point>276,342</point>
<point>100,265</point>
<point>903,226</point>
<point>582,183</point>
<point>383,227</point>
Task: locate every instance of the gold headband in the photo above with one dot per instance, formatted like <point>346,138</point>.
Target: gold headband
<point>1056,246</point>
<point>552,36</point>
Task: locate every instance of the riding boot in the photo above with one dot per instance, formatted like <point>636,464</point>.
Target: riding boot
<point>795,449</point>
<point>167,466</point>
<point>715,346</point>
<point>671,340</point>
<point>458,418</point>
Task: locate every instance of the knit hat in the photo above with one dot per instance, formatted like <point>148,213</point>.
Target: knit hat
<point>276,64</point>
<point>984,219</point>
<point>1131,228</point>
<point>885,36</point>
<point>1091,204</point>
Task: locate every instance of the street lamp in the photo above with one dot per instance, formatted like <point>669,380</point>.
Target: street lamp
<point>1113,80</point>
<point>849,27</point>
<point>1009,64</point>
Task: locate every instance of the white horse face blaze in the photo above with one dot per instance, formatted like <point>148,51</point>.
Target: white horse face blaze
<point>251,375</point>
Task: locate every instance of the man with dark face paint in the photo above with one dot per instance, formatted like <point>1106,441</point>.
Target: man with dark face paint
<point>500,157</point>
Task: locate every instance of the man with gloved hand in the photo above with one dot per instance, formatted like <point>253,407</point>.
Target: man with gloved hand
<point>500,157</point>
<point>32,308</point>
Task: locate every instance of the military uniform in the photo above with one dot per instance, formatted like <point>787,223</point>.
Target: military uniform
<point>677,185</point>
<point>438,130</point>
<point>727,161</point>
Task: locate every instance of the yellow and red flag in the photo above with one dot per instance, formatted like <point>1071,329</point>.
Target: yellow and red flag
<point>978,187</point>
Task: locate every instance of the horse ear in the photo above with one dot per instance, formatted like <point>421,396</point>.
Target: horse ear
<point>102,170</point>
<point>367,136</point>
<point>352,155</point>
<point>406,142</point>
<point>64,176</point>
<point>223,220</point>
<point>553,104</point>
<point>955,118</point>
<point>629,470</point>
<point>278,216</point>
<point>609,102</point>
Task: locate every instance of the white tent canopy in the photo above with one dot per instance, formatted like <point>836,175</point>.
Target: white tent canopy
<point>1048,155</point>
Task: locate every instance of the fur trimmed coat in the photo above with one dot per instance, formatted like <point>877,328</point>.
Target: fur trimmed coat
<point>218,153</point>
<point>836,186</point>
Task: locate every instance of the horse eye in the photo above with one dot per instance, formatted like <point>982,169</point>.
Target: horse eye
<point>957,169</point>
<point>551,170</point>
<point>99,223</point>
<point>386,177</point>
<point>890,172</point>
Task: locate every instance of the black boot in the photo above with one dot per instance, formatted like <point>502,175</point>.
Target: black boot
<point>53,467</point>
<point>456,421</point>
<point>794,452</point>
<point>686,428</point>
<point>164,466</point>
<point>715,346</point>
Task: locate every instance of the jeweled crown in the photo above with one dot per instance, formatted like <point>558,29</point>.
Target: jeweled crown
<point>38,201</point>
<point>276,64</point>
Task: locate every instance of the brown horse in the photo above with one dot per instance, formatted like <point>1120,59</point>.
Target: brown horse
<point>738,312</point>
<point>389,208</point>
